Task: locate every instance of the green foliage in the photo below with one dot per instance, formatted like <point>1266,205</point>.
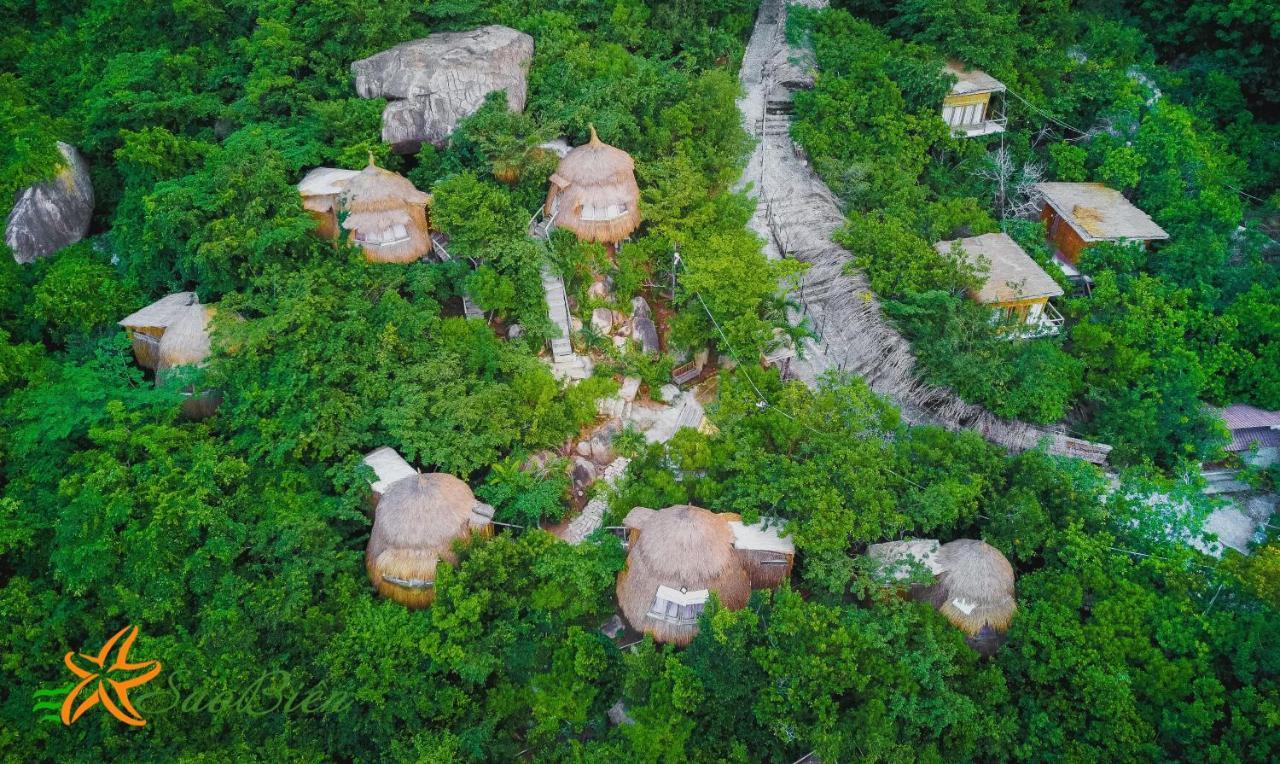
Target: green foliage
<point>78,293</point>
<point>960,347</point>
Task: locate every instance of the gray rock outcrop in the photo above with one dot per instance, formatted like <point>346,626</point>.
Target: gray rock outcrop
<point>433,83</point>
<point>53,214</point>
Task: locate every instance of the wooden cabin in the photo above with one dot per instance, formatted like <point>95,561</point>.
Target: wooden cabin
<point>679,555</point>
<point>187,343</point>
<point>970,109</point>
<point>1077,215</point>
<point>386,215</point>
<point>594,194</point>
<point>1016,287</point>
<point>320,190</point>
<point>147,326</point>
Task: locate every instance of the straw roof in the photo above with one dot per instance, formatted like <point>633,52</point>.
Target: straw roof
<point>417,520</point>
<point>186,341</point>
<point>1012,274</point>
<point>970,81</point>
<point>321,186</point>
<point>685,549</point>
<point>975,589</point>
<point>388,215</point>
<point>598,198</point>
<point>1099,213</point>
<point>161,313</point>
<point>148,325</point>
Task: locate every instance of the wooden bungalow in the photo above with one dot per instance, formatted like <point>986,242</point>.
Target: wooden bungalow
<point>1077,215</point>
<point>320,190</point>
<point>679,555</point>
<point>147,326</point>
<point>1016,287</point>
<point>594,193</point>
<point>969,108</point>
<point>1255,433</point>
<point>386,215</point>
<point>417,521</point>
<point>186,342</point>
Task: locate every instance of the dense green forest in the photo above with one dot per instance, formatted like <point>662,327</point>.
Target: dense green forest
<point>235,543</point>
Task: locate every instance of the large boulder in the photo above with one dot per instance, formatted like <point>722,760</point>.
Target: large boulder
<point>433,83</point>
<point>51,215</point>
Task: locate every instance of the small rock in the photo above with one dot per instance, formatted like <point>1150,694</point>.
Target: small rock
<point>640,308</point>
<point>644,332</point>
<point>515,332</point>
<point>598,291</point>
<point>583,473</point>
<point>668,393</point>
<point>619,342</point>
<point>601,451</point>
<point>602,320</point>
<point>584,448</point>
<point>630,386</point>
<point>575,324</point>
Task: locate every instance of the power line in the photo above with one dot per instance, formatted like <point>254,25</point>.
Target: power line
<point>1047,115</point>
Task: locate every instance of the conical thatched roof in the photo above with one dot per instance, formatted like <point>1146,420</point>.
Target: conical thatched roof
<point>417,520</point>
<point>594,193</point>
<point>975,588</point>
<point>685,549</point>
<point>387,214</point>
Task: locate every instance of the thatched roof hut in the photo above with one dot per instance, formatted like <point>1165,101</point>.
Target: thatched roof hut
<point>320,189</point>
<point>417,520</point>
<point>387,215</point>
<point>187,343</point>
<point>975,591</point>
<point>679,555</point>
<point>594,193</point>
<point>147,326</point>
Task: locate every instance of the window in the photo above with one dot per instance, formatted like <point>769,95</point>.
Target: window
<point>678,606</point>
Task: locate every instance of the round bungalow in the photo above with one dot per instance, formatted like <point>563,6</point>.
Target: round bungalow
<point>975,592</point>
<point>416,522</point>
<point>679,555</point>
<point>594,193</point>
<point>970,582</point>
<point>386,215</point>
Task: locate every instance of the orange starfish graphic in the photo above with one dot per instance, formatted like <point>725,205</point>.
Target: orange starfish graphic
<point>102,686</point>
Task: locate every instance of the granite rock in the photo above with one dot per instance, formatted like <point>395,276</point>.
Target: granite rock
<point>433,83</point>
<point>53,214</point>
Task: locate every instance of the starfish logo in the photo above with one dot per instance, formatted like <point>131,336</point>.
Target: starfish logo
<point>107,678</point>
